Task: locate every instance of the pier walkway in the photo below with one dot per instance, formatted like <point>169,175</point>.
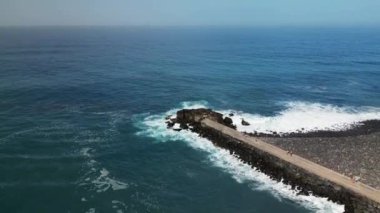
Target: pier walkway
<point>300,162</point>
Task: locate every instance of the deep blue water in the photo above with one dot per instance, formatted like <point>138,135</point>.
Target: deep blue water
<point>73,100</point>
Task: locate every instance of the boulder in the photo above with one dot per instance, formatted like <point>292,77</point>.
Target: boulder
<point>244,123</point>
<point>169,124</point>
<point>227,121</point>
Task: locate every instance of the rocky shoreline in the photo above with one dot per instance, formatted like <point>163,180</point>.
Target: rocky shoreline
<point>354,153</point>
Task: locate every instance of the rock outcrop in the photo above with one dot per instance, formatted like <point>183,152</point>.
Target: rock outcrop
<point>193,117</point>
<point>244,122</point>
<point>228,121</point>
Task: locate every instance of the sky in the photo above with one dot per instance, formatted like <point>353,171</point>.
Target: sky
<point>190,12</point>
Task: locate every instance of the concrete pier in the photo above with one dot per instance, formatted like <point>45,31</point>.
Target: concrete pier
<point>280,165</point>
<point>356,188</point>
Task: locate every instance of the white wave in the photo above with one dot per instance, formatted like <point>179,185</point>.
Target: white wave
<point>154,126</point>
<point>86,152</point>
<point>96,177</point>
<point>91,210</point>
<point>99,178</point>
<point>119,206</point>
<point>103,182</point>
<point>176,126</point>
<point>304,117</point>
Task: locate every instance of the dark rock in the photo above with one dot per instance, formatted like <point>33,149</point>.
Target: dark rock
<point>227,121</point>
<point>244,123</point>
<point>196,115</point>
<point>231,114</point>
<point>169,124</point>
<point>184,126</point>
<point>168,117</point>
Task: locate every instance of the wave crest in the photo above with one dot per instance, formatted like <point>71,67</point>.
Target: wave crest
<point>305,117</point>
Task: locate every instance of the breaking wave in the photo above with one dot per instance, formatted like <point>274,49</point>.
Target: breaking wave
<point>154,126</point>
<point>304,117</point>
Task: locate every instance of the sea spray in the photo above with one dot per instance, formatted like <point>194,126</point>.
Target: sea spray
<point>304,117</point>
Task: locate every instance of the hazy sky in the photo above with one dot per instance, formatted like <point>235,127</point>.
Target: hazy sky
<point>190,12</point>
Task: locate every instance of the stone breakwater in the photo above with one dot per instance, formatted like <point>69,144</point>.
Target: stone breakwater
<point>353,156</point>
<point>279,164</point>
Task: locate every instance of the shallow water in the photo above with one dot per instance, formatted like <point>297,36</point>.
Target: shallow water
<point>81,112</point>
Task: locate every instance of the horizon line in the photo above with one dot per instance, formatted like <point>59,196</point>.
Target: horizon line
<point>203,25</point>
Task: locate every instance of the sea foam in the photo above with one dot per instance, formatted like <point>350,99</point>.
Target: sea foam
<point>98,177</point>
<point>304,117</point>
<point>154,126</point>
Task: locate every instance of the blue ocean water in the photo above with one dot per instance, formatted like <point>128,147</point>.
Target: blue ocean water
<point>82,112</point>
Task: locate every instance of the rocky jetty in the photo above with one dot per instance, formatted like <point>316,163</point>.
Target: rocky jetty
<point>302,173</point>
<point>353,156</point>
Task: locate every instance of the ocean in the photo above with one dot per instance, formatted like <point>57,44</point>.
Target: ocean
<point>82,112</point>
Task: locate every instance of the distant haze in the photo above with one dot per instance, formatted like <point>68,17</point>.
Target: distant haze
<point>190,12</point>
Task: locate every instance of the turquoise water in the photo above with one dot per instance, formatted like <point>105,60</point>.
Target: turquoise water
<point>82,112</point>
